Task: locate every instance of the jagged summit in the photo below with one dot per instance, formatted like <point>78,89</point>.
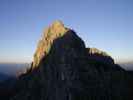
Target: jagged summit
<point>56,30</point>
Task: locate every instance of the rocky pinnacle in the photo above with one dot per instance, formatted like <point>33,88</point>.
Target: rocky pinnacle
<point>56,30</point>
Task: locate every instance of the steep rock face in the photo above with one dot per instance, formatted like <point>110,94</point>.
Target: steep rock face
<point>66,72</point>
<point>56,30</point>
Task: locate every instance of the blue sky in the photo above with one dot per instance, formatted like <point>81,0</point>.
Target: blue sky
<point>105,24</point>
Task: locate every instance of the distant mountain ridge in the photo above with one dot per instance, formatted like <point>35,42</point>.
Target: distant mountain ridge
<point>9,73</point>
<point>4,77</point>
<point>13,69</point>
<point>65,69</point>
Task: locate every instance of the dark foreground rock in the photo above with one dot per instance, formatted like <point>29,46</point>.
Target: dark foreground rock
<point>63,69</point>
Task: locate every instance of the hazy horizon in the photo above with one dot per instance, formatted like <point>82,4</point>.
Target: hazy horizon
<point>105,24</point>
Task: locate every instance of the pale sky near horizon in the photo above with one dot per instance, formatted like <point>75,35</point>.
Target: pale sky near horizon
<point>104,24</point>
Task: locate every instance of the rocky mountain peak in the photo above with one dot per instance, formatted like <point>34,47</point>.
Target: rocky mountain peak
<point>64,69</point>
<point>56,30</point>
<point>58,25</point>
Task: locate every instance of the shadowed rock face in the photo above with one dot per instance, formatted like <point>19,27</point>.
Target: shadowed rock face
<point>68,71</point>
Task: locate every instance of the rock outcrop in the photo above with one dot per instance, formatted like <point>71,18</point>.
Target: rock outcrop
<point>100,56</point>
<point>64,69</point>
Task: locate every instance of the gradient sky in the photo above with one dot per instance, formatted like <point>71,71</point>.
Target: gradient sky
<point>105,24</point>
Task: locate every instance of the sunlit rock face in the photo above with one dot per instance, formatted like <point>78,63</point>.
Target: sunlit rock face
<point>54,31</point>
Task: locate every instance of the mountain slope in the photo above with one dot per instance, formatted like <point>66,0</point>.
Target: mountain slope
<point>64,69</point>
